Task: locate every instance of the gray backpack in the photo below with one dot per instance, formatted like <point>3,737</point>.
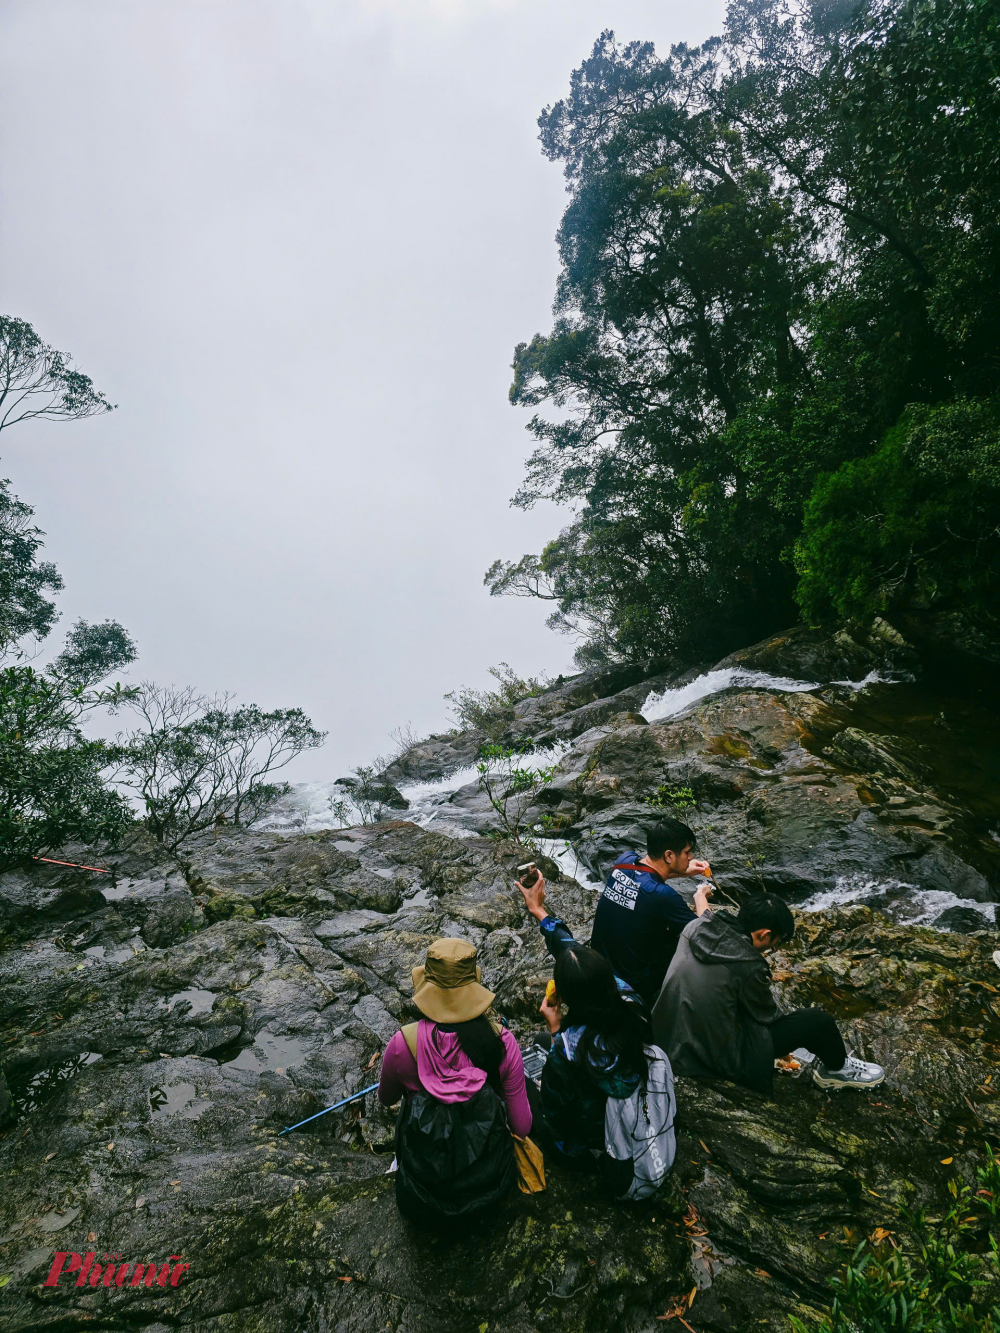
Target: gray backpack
<point>642,1127</point>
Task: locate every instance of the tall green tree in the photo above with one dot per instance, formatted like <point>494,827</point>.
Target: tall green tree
<point>773,244</point>
<point>53,786</point>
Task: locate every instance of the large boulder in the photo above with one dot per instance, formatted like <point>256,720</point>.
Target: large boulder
<point>150,1092</point>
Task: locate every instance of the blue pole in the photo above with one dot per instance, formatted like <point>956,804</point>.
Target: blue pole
<point>353,1098</point>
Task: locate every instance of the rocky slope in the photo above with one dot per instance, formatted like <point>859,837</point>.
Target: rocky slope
<point>162,1023</point>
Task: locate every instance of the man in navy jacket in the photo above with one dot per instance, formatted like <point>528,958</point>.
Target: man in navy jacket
<point>639,917</point>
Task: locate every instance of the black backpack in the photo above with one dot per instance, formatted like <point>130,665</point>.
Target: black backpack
<point>453,1159</point>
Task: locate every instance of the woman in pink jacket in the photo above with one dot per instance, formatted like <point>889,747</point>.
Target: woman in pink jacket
<point>460,1076</point>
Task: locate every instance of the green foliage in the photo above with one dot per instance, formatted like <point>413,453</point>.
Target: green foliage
<point>510,786</point>
<point>490,712</point>
<point>988,1193</point>
<point>370,793</point>
<point>25,611</point>
<point>774,244</point>
<point>94,651</point>
<point>675,800</point>
<point>925,1280</point>
<point>52,787</point>
<point>914,523</point>
<point>52,778</point>
<point>195,762</point>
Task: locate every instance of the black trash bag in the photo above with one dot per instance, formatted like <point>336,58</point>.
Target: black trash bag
<point>453,1159</point>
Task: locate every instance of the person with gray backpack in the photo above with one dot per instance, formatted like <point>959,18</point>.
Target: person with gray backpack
<point>606,1095</point>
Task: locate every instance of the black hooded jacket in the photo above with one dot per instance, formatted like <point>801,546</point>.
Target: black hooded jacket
<point>714,1011</point>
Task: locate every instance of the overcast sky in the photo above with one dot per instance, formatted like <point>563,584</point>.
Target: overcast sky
<point>295,241</point>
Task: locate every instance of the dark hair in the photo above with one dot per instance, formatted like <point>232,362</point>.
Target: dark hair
<point>668,836</point>
<point>481,1044</point>
<point>615,1029</point>
<point>766,911</point>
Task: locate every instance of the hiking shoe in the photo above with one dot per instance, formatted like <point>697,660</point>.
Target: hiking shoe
<point>996,957</point>
<point>855,1074</point>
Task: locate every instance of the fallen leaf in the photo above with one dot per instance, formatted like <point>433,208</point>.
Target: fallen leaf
<point>5,1280</point>
<point>691,1295</point>
<point>110,1147</point>
<point>374,1060</point>
<point>92,1235</point>
<point>49,1158</point>
<point>823,1235</point>
<point>762,1272</point>
<point>879,1235</point>
<point>173,1182</point>
<point>947,1161</point>
<point>345,1279</point>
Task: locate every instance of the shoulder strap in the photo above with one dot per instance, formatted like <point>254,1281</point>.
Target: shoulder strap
<point>410,1037</point>
<point>646,870</point>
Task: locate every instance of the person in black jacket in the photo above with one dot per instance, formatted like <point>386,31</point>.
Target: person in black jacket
<point>716,1017</point>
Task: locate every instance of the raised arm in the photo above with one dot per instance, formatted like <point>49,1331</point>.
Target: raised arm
<point>554,932</point>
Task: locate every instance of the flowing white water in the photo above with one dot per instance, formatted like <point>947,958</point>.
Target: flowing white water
<point>671,702</point>
<point>906,904</point>
<point>558,850</point>
<point>310,807</point>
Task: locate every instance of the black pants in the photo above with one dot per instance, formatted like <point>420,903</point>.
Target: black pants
<point>815,1030</point>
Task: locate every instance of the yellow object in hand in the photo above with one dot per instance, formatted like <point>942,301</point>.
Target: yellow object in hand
<point>550,990</point>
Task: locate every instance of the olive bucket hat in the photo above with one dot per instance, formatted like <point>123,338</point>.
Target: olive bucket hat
<point>446,989</point>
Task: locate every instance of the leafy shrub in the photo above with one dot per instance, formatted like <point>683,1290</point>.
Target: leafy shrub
<point>672,799</point>
<point>369,792</point>
<point>195,762</point>
<point>914,524</point>
<point>490,712</point>
<point>926,1280</point>
<point>510,786</point>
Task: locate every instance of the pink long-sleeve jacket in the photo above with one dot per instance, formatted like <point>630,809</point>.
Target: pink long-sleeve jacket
<point>444,1070</point>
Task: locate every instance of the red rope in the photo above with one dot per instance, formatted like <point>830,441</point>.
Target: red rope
<point>74,864</point>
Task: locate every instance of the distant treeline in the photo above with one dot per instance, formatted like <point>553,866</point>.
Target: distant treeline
<point>775,362</point>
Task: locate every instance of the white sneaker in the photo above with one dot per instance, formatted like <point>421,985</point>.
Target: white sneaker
<point>996,957</point>
<point>855,1074</point>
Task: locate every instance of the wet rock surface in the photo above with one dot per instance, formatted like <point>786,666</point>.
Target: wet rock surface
<point>162,1023</point>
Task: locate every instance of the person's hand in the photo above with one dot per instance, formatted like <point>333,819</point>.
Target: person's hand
<point>550,1011</point>
<point>701,896</point>
<point>697,867</point>
<point>534,897</point>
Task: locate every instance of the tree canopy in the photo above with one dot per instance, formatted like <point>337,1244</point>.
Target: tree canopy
<point>774,246</point>
<point>36,381</point>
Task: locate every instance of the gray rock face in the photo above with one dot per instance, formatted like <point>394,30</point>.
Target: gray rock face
<point>160,1025</point>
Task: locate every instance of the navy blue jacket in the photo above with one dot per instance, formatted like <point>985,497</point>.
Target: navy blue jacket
<point>637,924</point>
